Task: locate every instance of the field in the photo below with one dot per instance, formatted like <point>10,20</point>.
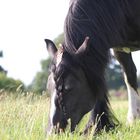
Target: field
<point>25,118</point>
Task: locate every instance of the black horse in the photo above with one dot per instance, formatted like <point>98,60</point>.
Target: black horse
<point>76,82</point>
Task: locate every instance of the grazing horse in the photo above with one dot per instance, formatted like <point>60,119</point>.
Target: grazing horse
<point>76,81</point>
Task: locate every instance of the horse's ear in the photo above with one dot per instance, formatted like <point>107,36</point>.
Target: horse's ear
<point>51,48</point>
<point>83,47</point>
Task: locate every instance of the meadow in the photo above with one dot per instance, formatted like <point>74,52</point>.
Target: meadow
<point>24,117</point>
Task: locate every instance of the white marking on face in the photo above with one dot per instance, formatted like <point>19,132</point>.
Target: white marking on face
<point>52,91</point>
<point>59,56</point>
<point>133,102</point>
<point>52,109</point>
<point>50,83</point>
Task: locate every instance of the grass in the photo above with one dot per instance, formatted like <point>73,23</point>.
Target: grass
<point>25,118</point>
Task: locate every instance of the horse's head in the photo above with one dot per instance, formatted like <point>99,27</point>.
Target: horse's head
<point>71,96</point>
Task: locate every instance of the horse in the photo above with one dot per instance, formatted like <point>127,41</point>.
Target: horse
<point>77,75</point>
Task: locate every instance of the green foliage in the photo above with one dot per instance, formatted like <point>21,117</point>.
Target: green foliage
<point>9,84</point>
<point>59,39</point>
<point>1,54</point>
<point>114,76</point>
<point>39,83</point>
<point>1,68</point>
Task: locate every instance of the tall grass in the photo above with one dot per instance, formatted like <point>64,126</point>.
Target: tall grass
<point>24,117</point>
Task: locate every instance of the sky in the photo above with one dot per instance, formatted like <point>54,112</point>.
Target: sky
<point>24,24</point>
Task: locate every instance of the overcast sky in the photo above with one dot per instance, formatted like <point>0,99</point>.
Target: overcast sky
<point>23,26</point>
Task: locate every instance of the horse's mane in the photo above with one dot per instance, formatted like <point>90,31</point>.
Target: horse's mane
<point>105,23</point>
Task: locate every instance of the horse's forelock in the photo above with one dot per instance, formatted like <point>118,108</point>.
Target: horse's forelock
<point>59,57</point>
<point>68,65</point>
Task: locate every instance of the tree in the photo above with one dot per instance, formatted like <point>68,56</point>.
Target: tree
<point>10,84</point>
<point>1,68</point>
<point>39,82</point>
<point>59,39</point>
<point>114,76</point>
<point>1,54</point>
<point>7,83</point>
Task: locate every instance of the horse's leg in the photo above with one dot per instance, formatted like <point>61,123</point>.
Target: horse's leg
<point>90,122</point>
<point>130,78</point>
<point>101,117</point>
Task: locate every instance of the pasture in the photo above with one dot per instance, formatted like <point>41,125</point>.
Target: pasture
<point>25,118</point>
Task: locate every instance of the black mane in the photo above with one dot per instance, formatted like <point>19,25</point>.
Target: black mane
<point>105,22</point>
<point>64,68</point>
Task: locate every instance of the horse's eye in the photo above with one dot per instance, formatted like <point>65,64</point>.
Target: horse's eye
<point>67,89</point>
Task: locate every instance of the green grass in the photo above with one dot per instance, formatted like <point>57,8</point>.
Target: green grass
<point>25,118</point>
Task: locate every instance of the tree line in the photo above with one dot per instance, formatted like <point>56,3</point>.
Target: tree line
<point>7,83</point>
<point>114,75</point>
